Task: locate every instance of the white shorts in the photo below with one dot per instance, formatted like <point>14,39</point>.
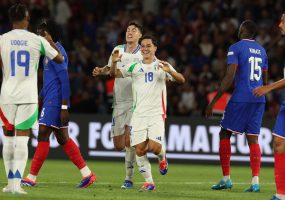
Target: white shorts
<point>120,119</point>
<point>144,128</point>
<point>19,116</point>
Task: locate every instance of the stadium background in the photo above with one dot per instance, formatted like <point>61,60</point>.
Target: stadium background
<point>193,36</point>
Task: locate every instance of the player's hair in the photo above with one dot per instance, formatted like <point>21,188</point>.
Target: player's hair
<point>18,12</point>
<point>152,38</point>
<point>52,28</point>
<point>137,25</point>
<point>250,26</point>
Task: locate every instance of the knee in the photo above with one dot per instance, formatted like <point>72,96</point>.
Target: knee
<point>118,146</point>
<point>140,152</point>
<point>156,149</point>
<point>61,139</point>
<point>43,137</point>
<point>279,146</point>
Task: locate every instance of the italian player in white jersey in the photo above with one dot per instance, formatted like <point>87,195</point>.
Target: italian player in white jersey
<point>20,52</point>
<point>149,105</point>
<point>123,100</point>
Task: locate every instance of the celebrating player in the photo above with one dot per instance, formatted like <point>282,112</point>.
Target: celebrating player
<point>54,114</point>
<point>122,99</point>
<point>278,131</point>
<point>149,105</point>
<point>20,53</point>
<point>247,64</point>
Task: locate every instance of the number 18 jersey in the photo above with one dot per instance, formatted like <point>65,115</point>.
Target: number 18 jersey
<point>20,52</point>
<point>251,61</point>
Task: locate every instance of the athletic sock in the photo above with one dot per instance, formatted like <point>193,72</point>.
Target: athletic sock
<point>130,159</point>
<point>225,156</point>
<point>8,157</point>
<point>144,168</point>
<point>279,172</point>
<point>255,156</point>
<point>73,152</point>
<point>40,156</point>
<point>225,178</point>
<point>20,159</point>
<point>161,155</point>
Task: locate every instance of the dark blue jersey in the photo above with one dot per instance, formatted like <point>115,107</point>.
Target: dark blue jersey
<point>251,61</point>
<point>53,88</point>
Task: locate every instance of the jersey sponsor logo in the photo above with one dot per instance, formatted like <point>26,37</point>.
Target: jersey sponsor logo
<point>230,53</point>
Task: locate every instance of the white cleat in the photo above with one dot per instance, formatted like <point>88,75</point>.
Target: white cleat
<point>6,189</point>
<point>19,191</point>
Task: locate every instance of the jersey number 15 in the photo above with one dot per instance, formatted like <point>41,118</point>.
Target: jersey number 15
<point>255,69</point>
<point>22,59</point>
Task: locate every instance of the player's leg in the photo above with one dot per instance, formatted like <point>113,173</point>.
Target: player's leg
<point>279,155</point>
<point>40,155</point>
<point>74,154</point>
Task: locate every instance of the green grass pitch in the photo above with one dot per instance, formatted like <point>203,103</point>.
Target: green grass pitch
<point>58,179</point>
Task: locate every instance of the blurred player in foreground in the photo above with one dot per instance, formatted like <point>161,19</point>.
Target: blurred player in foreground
<point>20,53</point>
<point>149,105</point>
<point>278,131</point>
<point>54,114</point>
<point>122,99</point>
<point>247,65</point>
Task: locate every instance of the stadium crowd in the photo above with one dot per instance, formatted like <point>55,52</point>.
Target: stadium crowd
<point>194,37</point>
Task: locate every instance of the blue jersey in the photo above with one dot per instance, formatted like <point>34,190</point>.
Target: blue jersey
<point>251,61</point>
<point>52,90</point>
<point>282,107</point>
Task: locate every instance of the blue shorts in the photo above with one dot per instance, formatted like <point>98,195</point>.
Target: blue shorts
<point>50,116</point>
<point>243,117</point>
<point>279,127</point>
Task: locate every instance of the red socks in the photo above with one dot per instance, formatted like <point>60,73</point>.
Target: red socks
<point>225,156</point>
<point>255,156</point>
<point>39,157</point>
<point>279,172</point>
<point>73,152</point>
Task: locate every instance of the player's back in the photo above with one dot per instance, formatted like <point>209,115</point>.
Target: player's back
<point>251,60</point>
<point>20,52</point>
<point>52,91</point>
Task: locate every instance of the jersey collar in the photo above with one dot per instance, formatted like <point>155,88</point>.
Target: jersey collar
<point>135,51</point>
<point>251,40</point>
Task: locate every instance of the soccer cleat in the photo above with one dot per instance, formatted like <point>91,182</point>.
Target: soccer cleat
<point>127,184</point>
<point>27,182</point>
<point>19,191</point>
<point>253,188</point>
<point>163,167</point>
<point>6,189</point>
<point>222,185</point>
<point>87,181</point>
<point>275,198</point>
<point>147,187</point>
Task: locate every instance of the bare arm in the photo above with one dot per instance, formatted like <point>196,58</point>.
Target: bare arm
<point>59,57</point>
<point>179,78</point>
<point>99,71</point>
<point>225,85</point>
<point>114,72</point>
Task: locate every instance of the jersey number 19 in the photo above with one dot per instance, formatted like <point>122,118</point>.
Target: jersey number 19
<point>22,59</point>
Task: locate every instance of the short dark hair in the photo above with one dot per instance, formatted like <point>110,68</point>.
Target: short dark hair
<point>250,26</point>
<point>51,27</point>
<point>151,37</point>
<point>18,12</point>
<point>137,25</point>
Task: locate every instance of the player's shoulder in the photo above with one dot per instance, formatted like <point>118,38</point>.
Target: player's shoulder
<point>119,47</point>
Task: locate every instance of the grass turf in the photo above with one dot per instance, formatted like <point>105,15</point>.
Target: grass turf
<point>58,180</point>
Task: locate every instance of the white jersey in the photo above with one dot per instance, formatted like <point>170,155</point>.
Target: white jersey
<point>20,52</point>
<point>122,97</point>
<point>149,88</point>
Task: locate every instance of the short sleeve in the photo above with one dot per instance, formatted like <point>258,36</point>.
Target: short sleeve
<point>46,49</point>
<point>233,54</point>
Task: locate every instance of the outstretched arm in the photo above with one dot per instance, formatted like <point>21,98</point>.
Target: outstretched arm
<point>114,72</point>
<point>99,71</point>
<point>260,91</point>
<point>165,66</point>
<point>225,85</point>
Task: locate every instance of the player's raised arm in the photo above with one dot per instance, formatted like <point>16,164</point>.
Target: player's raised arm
<point>59,57</point>
<point>225,85</point>
<point>165,66</point>
<point>99,71</point>
<point>114,72</point>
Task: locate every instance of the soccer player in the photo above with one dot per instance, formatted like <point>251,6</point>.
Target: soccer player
<point>20,52</point>
<point>122,99</point>
<point>278,131</point>
<point>247,65</point>
<point>149,105</point>
<point>54,114</point>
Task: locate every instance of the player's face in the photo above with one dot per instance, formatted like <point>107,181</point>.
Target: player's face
<point>282,24</point>
<point>148,49</point>
<point>133,34</point>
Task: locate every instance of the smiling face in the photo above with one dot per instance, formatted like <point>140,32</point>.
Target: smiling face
<point>133,34</point>
<point>282,25</point>
<point>148,49</point>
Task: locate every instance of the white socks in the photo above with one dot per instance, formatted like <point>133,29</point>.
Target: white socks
<point>85,171</point>
<point>225,178</point>
<point>280,196</point>
<point>161,155</point>
<point>144,168</point>
<point>130,159</point>
<point>255,180</point>
<point>15,156</point>
<point>32,177</point>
